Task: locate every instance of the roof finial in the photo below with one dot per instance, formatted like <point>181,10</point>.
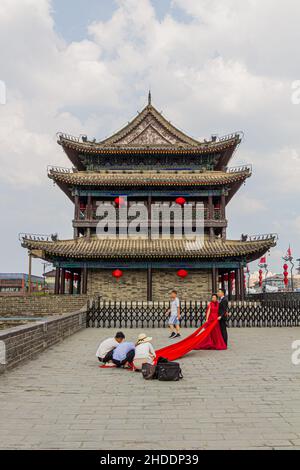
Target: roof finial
<point>149,97</point>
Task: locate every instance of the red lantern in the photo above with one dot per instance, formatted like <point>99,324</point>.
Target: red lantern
<point>117,273</point>
<point>182,273</point>
<point>180,200</point>
<point>119,201</point>
<point>285,275</point>
<point>76,276</point>
<point>68,275</point>
<point>226,277</point>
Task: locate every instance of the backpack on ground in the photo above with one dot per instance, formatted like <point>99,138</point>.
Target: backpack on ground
<point>169,371</point>
<point>149,371</point>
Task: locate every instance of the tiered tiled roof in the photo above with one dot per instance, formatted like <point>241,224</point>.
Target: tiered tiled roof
<point>97,248</point>
<point>148,178</point>
<point>150,133</point>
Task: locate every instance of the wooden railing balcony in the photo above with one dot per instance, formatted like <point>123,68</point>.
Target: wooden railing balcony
<point>83,214</point>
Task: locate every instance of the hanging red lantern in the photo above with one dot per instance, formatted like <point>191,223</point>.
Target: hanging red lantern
<point>68,275</point>
<point>182,273</point>
<point>285,275</point>
<point>76,276</point>
<point>226,277</point>
<point>119,201</point>
<point>232,276</point>
<point>117,273</point>
<point>180,200</point>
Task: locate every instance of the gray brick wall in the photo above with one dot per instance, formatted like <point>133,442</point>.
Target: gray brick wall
<point>41,305</point>
<point>195,286</point>
<point>22,343</point>
<point>133,284</point>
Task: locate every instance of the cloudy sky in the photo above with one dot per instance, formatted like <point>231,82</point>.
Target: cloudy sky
<point>86,67</point>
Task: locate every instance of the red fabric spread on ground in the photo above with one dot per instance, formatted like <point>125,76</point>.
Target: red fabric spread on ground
<point>194,341</point>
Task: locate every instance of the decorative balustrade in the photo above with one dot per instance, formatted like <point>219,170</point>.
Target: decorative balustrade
<point>239,169</point>
<point>231,136</point>
<point>58,169</point>
<point>259,237</point>
<point>63,135</point>
<point>38,237</point>
<point>83,214</point>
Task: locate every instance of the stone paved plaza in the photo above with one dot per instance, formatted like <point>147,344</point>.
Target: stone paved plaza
<point>246,397</point>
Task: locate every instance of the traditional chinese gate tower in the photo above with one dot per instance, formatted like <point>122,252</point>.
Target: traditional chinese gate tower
<point>149,160</point>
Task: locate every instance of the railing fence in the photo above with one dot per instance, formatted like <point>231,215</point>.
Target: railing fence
<point>115,314</point>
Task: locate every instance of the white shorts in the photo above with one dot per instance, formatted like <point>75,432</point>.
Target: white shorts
<point>173,320</point>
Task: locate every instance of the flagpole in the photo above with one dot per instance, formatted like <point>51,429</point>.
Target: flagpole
<point>263,264</point>
<point>292,280</point>
<point>289,257</point>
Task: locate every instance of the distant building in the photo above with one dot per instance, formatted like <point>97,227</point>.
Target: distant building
<point>50,280</point>
<point>17,283</point>
<point>275,282</point>
<point>296,281</point>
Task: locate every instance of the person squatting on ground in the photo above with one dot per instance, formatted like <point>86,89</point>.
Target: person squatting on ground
<point>106,347</point>
<point>123,354</point>
<point>144,351</point>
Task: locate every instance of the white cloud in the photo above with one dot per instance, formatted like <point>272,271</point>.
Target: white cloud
<point>246,205</point>
<point>226,69</point>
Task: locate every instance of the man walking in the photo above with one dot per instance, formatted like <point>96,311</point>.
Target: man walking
<point>223,312</point>
<point>174,312</point>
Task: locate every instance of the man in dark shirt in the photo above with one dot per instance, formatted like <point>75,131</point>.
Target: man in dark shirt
<point>223,312</point>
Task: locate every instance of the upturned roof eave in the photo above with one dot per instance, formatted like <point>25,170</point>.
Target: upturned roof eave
<point>148,178</point>
<point>82,248</point>
<point>97,148</point>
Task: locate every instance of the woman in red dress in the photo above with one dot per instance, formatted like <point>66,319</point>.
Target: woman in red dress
<point>215,338</point>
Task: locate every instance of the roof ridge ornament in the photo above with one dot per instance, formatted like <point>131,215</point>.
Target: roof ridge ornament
<point>149,97</point>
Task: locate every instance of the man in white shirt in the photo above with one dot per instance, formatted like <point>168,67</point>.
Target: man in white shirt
<point>174,312</point>
<point>105,349</point>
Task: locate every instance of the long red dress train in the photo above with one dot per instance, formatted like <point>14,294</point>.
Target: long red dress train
<point>177,350</point>
<point>208,334</point>
<point>215,339</point>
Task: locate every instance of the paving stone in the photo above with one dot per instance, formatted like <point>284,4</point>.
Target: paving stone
<point>246,397</point>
